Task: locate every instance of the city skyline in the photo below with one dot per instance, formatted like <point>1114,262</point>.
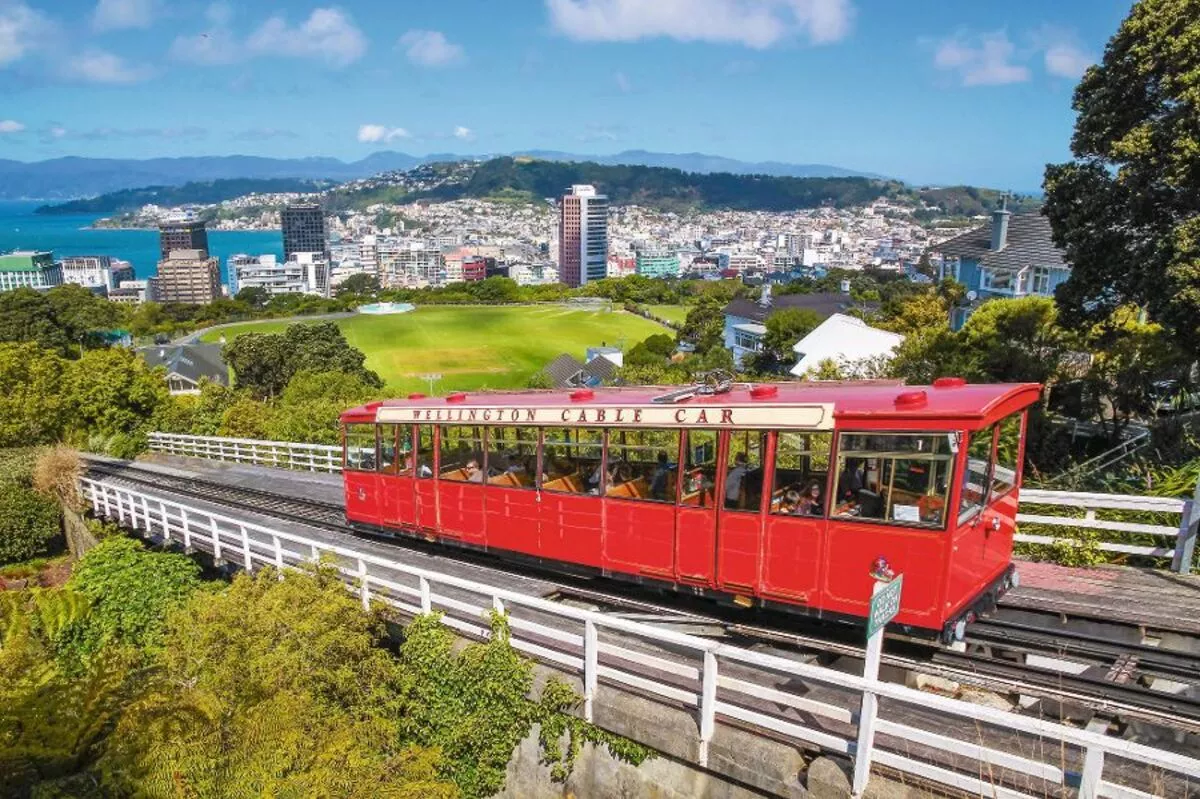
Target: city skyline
<point>929,93</point>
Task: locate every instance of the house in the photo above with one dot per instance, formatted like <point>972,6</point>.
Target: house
<point>1012,257</point>
<point>845,340</point>
<point>566,371</point>
<point>745,319</point>
<point>188,364</point>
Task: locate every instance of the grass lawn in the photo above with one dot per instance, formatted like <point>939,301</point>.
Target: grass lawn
<point>672,313</point>
<point>475,346</point>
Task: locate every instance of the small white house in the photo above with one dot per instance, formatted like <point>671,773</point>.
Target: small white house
<point>844,339</point>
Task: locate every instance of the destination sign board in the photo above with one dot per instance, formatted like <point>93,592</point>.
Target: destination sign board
<point>885,604</point>
<point>810,416</point>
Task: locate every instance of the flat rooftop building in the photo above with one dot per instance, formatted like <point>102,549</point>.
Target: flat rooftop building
<point>189,276</point>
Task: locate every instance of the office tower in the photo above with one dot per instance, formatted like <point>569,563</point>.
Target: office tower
<point>303,230</point>
<point>182,233</point>
<point>189,276</point>
<point>583,236</point>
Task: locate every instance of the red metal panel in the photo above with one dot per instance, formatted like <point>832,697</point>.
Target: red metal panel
<point>639,537</point>
<point>460,508</point>
<point>739,539</point>
<point>696,544</point>
<point>362,497</point>
<point>571,526</point>
<point>512,519</point>
<point>792,556</point>
<point>426,505</point>
<point>980,552</point>
<point>853,547</point>
<point>398,506</point>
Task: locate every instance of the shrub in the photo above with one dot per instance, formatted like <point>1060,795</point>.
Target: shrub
<point>29,522</point>
<point>56,475</point>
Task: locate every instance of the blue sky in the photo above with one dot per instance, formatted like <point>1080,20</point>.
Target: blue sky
<point>925,90</point>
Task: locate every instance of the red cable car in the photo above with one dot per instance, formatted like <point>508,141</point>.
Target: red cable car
<point>794,496</point>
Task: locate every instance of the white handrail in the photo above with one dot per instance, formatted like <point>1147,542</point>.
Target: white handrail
<point>754,702</point>
<point>281,454</point>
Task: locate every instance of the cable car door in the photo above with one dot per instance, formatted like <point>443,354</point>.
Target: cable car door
<point>739,520</point>
<point>696,542</point>
<point>425,510</point>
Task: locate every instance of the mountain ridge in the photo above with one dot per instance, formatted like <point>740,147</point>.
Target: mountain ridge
<point>74,177</point>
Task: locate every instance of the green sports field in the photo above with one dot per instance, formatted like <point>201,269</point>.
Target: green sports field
<point>672,313</point>
<point>473,347</point>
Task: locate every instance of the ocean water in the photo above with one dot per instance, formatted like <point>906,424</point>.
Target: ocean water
<point>21,229</point>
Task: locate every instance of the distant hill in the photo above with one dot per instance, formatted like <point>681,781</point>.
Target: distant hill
<point>973,201</point>
<point>205,193</point>
<point>659,187</point>
<point>74,177</point>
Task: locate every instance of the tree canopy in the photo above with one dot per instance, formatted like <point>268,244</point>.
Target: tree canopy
<point>266,362</point>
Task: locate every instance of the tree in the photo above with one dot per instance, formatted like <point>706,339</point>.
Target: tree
<point>1013,341</point>
<point>321,347</point>
<point>260,362</point>
<point>784,328</point>
<point>112,392</point>
<point>254,296</point>
<point>704,325</point>
<point>1124,210</point>
<point>33,409</point>
<point>26,315</point>
<point>360,285</point>
<point>914,313</point>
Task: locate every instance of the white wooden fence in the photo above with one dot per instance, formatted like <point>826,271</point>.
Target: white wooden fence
<point>1181,538</point>
<point>809,705</point>
<point>280,454</point>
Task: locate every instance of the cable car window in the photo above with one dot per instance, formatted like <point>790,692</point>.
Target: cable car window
<point>387,448</point>
<point>404,450</point>
<point>512,458</point>
<point>571,459</point>
<point>976,477</point>
<point>700,469</point>
<point>642,464</point>
<point>425,452</point>
<point>461,450</point>
<point>744,470</point>
<point>897,478</point>
<point>360,448</point>
<point>801,473</point>
<point>1008,448</point>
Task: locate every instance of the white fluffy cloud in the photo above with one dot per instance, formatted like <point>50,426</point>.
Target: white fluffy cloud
<point>121,14</point>
<point>22,30</point>
<point>1067,60</point>
<point>101,66</point>
<point>466,134</point>
<point>752,23</point>
<point>328,34</point>
<point>430,49</point>
<point>984,60</point>
<point>11,126</point>
<point>381,133</point>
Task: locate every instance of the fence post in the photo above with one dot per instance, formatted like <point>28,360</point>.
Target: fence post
<point>146,516</point>
<point>708,705</point>
<point>1093,768</point>
<point>590,646</point>
<point>278,555</point>
<point>426,596</point>
<point>362,576</point>
<point>316,553</point>
<point>187,530</point>
<point>95,499</point>
<point>165,521</point>
<point>1185,545</point>
<point>247,562</point>
<point>216,536</point>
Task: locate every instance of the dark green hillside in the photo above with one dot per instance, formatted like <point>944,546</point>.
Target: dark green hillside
<point>199,193</point>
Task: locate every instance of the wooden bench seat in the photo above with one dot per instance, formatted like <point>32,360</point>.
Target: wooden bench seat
<point>568,482</point>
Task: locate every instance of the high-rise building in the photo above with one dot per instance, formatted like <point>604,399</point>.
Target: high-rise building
<point>182,233</point>
<point>654,262</point>
<point>303,229</point>
<point>583,236</point>
<point>189,276</point>
<point>308,273</point>
<point>29,269</point>
<point>96,271</point>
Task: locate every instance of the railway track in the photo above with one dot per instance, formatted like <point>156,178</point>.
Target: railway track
<point>1113,681</point>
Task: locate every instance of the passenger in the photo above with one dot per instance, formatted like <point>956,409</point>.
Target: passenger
<point>850,482</point>
<point>593,480</point>
<point>810,502</point>
<point>790,504</point>
<point>474,473</point>
<point>734,480</point>
<point>462,453</point>
<point>661,477</point>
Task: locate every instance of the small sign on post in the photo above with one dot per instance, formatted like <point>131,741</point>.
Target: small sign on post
<point>885,604</point>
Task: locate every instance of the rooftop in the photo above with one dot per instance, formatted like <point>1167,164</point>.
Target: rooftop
<point>1029,243</point>
<point>822,304</point>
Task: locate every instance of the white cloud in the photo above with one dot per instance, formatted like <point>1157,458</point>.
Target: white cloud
<point>101,66</point>
<point>752,23</point>
<point>10,126</point>
<point>22,31</point>
<point>219,13</point>
<point>382,133</point>
<point>466,134</point>
<point>984,60</point>
<point>121,14</point>
<point>327,34</point>
<point>215,47</point>
<point>1066,60</point>
<point>57,132</point>
<point>430,49</point>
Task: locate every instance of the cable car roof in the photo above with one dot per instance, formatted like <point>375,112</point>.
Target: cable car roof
<point>806,405</point>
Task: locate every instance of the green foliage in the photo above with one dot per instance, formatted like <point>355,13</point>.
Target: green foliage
<point>33,409</point>
<point>30,524</point>
<point>132,590</point>
<point>266,362</point>
<point>280,688</point>
<point>704,326</point>
<point>471,704</point>
<point>112,391</point>
<point>1125,208</point>
<point>361,285</point>
<point>65,319</point>
<point>205,192</point>
<point>784,327</point>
